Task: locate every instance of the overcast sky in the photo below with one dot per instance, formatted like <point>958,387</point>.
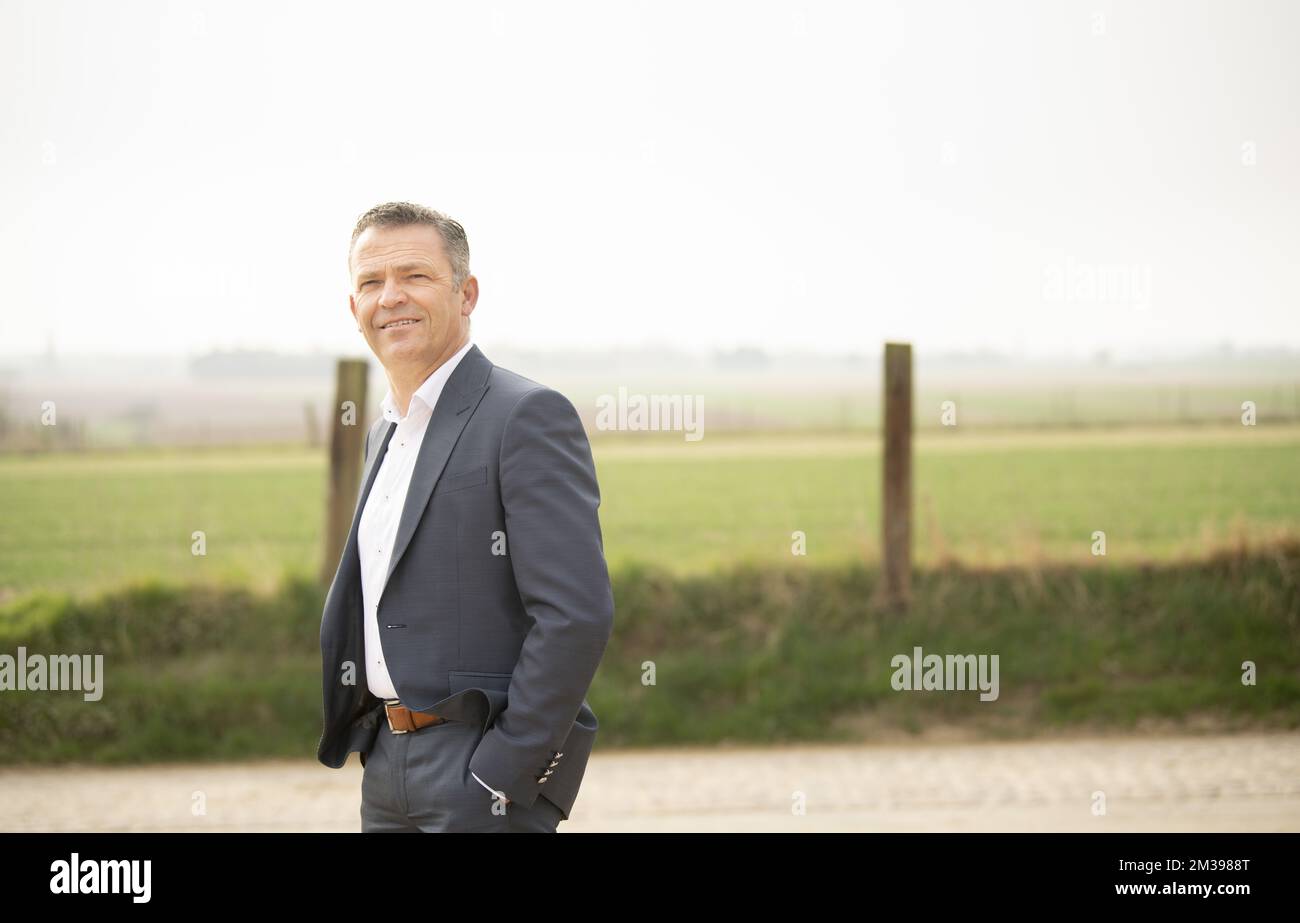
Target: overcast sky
<point>1041,177</point>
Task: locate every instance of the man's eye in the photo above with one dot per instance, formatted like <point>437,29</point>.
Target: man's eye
<point>369,282</point>
<point>419,276</point>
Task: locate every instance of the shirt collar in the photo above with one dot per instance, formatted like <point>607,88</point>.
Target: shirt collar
<point>429,391</point>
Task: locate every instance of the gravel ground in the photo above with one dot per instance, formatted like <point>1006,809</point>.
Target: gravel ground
<point>1239,782</point>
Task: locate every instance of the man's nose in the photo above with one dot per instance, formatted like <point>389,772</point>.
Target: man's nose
<point>392,295</point>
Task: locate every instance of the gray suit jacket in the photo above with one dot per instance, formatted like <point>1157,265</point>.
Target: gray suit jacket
<point>498,604</point>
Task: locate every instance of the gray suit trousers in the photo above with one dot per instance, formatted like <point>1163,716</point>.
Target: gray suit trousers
<point>420,782</point>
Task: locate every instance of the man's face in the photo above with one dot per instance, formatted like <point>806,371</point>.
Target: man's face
<point>401,274</point>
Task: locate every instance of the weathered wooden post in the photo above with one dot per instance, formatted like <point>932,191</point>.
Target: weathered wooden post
<point>347,446</point>
<point>896,502</point>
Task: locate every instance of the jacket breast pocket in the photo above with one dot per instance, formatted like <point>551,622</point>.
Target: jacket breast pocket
<point>461,480</point>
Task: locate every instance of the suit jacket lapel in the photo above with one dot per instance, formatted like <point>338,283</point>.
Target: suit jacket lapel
<point>349,572</point>
<point>367,481</point>
<point>368,478</point>
<point>460,395</point>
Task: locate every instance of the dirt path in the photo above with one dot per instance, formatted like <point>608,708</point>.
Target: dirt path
<point>1248,782</point>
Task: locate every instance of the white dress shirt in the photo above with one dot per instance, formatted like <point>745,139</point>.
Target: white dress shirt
<point>377,531</point>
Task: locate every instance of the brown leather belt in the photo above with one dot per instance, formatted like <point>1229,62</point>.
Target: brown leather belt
<point>402,720</point>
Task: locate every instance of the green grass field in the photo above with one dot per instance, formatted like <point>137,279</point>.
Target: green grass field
<point>698,535</point>
<point>84,523</point>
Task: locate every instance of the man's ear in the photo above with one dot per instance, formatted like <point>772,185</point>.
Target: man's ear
<point>469,295</point>
<point>352,303</point>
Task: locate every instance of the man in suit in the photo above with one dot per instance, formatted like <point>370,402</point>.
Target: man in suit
<point>472,603</point>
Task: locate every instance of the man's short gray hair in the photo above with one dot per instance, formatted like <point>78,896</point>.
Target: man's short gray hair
<point>398,214</point>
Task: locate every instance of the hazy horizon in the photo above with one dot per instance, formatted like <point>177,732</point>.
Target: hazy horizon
<point>1222,350</point>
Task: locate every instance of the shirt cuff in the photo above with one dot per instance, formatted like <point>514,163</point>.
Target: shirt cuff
<point>502,795</point>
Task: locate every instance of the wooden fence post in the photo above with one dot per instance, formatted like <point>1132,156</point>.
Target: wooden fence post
<point>347,445</point>
<point>896,501</point>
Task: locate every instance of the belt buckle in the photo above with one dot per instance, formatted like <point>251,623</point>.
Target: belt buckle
<point>388,715</point>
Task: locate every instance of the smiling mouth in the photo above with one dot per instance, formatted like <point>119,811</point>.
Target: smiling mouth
<point>400,323</point>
